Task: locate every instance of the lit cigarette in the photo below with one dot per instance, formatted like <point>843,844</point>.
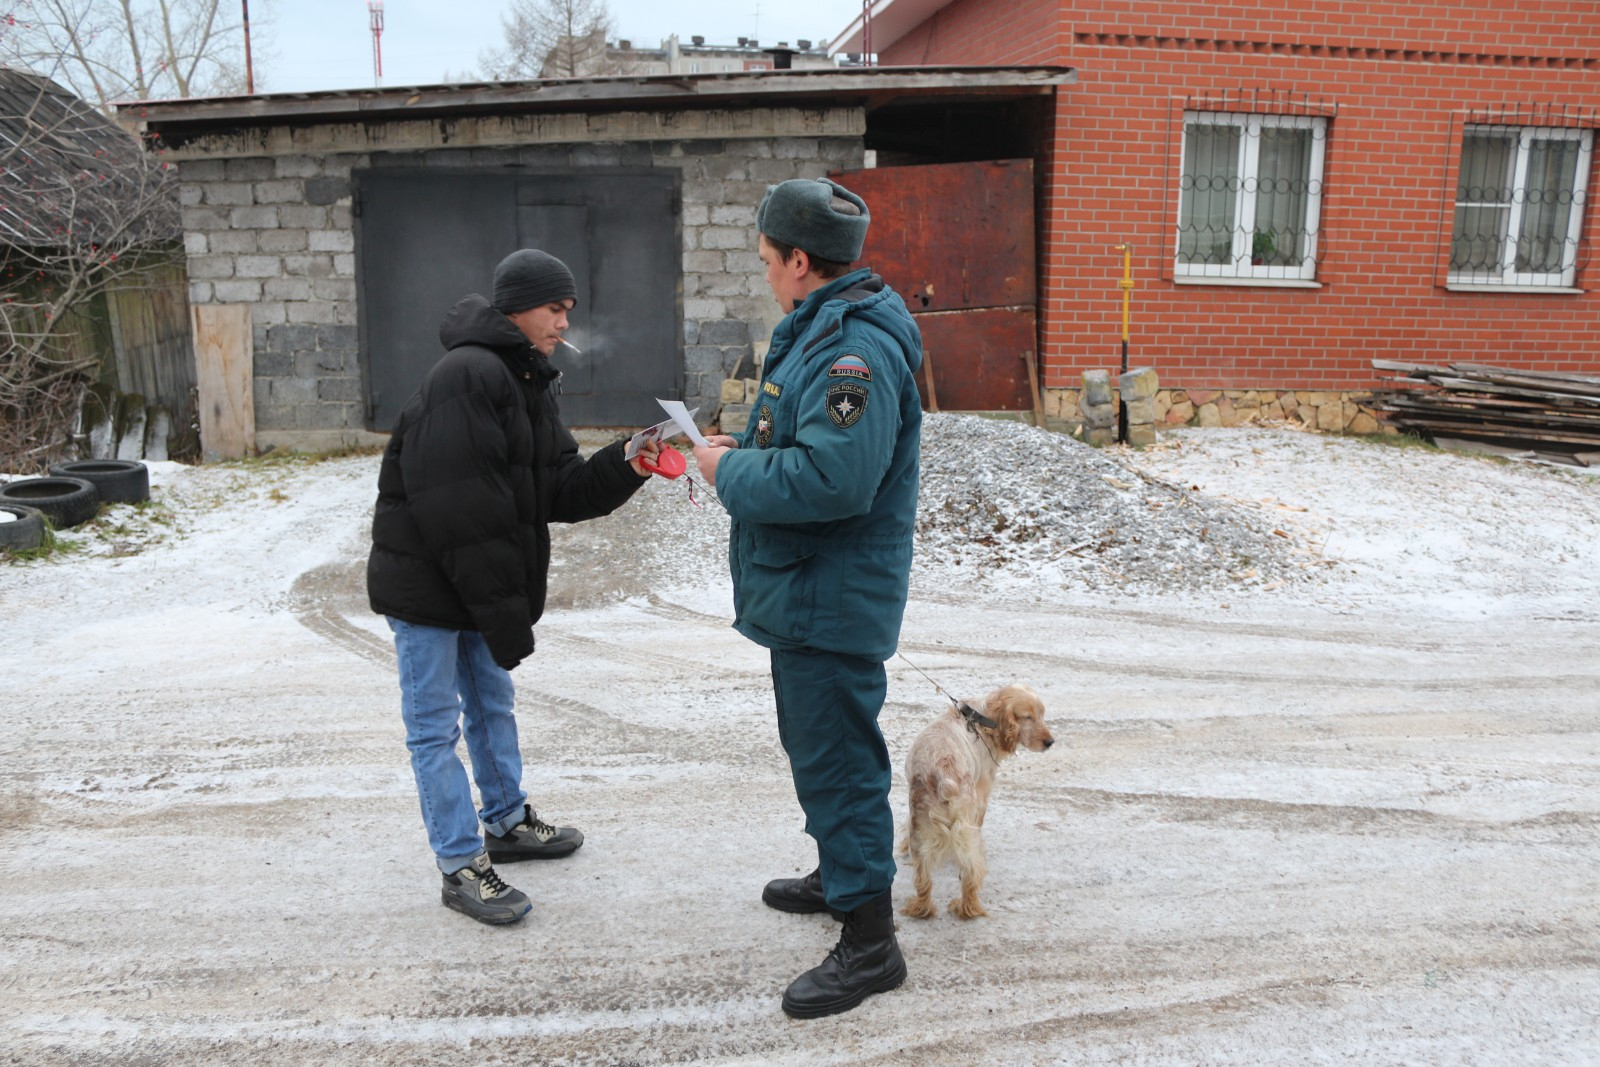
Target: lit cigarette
<point>572,346</point>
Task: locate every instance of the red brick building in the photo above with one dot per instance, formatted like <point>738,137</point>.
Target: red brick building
<point>1306,186</point>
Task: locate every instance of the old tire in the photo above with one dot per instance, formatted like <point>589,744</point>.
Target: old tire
<point>21,528</point>
<point>64,501</point>
<point>118,481</point>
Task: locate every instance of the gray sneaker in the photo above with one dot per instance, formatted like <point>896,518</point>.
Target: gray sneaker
<point>476,890</point>
<point>532,839</point>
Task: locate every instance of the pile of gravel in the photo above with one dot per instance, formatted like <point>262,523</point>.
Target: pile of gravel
<point>1001,500</point>
<point>1004,508</point>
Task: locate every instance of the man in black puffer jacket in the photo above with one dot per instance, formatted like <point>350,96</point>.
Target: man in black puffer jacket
<point>478,466</point>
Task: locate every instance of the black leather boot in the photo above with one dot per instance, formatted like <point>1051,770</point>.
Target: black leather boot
<point>866,960</point>
<point>799,896</point>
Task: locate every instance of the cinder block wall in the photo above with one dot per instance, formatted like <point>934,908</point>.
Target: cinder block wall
<point>275,232</point>
<point>1401,75</point>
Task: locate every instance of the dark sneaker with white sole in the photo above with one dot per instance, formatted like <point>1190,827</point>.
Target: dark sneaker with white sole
<point>532,839</point>
<point>797,896</point>
<point>476,890</point>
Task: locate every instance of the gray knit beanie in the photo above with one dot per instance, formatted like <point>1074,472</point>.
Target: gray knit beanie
<point>820,216</point>
<point>528,278</point>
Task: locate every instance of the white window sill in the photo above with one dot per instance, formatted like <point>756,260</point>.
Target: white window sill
<point>1542,290</point>
<point>1260,283</point>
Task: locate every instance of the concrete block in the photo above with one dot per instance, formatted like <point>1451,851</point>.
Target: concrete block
<point>331,241</point>
<point>249,170</point>
<point>297,166</point>
<point>725,237</point>
<point>234,241</point>
<point>281,240</point>
<point>237,292</point>
<point>1141,412</point>
<point>201,170</point>
<point>257,266</point>
<point>287,289</point>
<point>1137,384</point>
<point>1141,436</point>
<point>1100,416</point>
<point>1096,387</point>
<point>308,266</point>
<point>314,311</point>
<point>735,417</point>
<point>302,217</point>
<point>752,390</point>
<point>228,194</point>
<point>260,217</point>
<point>724,332</point>
<point>733,391</point>
<point>279,191</point>
<point>210,266</point>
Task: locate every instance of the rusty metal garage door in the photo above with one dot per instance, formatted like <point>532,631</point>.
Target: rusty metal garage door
<point>424,239</point>
<point>956,240</point>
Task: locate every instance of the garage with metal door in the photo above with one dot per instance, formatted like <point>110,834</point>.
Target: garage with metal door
<point>327,233</point>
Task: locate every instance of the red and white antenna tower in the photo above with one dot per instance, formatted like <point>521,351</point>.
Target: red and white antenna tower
<point>375,9</point>
<point>866,33</point>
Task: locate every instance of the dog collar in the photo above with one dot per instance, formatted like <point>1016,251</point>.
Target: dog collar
<point>975,717</point>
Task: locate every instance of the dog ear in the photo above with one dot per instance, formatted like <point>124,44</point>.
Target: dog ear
<point>998,707</point>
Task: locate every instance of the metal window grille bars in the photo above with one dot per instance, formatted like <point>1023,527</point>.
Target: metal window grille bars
<point>1519,203</point>
<point>1249,199</point>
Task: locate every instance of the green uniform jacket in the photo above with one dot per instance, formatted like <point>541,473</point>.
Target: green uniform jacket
<point>823,488</point>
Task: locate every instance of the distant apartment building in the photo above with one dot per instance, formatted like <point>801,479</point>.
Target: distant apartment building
<point>698,57</point>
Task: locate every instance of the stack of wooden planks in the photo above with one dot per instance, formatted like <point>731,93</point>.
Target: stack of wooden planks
<point>1545,415</point>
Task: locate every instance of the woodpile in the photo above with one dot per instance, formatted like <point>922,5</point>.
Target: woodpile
<point>1474,407</point>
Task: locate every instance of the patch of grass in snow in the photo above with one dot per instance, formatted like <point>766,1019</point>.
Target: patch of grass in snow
<point>1394,440</point>
<point>284,457</point>
<point>50,546</point>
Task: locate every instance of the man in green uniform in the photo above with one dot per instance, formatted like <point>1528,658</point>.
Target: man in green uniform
<point>822,491</point>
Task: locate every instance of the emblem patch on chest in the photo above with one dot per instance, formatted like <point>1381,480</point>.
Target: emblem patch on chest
<point>763,427</point>
<point>772,390</point>
<point>850,367</point>
<point>846,402</point>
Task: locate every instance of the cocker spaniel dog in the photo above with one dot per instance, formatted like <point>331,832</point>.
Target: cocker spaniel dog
<point>950,770</point>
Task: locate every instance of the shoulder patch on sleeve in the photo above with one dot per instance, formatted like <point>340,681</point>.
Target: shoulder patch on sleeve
<point>846,401</point>
<point>850,366</point>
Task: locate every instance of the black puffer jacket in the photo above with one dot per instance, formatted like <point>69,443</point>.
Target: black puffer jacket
<point>478,466</point>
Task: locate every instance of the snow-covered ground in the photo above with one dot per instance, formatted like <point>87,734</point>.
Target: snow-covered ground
<point>1327,788</point>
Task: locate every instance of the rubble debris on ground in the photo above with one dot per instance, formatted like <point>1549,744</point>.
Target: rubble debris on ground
<point>1001,497</point>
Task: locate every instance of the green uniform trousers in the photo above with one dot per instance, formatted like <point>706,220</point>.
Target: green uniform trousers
<point>828,705</point>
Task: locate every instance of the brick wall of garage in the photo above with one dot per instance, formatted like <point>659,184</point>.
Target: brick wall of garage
<point>1399,91</point>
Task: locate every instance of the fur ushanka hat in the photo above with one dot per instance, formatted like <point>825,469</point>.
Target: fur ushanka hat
<point>820,216</point>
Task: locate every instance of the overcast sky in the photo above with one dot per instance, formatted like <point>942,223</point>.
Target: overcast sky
<point>327,44</point>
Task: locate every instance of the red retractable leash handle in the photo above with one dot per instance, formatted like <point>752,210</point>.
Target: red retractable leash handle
<point>669,463</point>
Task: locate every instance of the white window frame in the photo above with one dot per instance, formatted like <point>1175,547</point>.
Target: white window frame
<point>1508,275</point>
<point>1248,165</point>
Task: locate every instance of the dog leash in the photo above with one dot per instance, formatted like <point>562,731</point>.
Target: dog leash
<point>973,716</point>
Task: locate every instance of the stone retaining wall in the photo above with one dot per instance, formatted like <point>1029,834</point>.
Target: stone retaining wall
<point>1331,412</point>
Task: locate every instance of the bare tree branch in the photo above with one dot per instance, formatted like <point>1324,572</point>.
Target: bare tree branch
<point>148,48</point>
<point>553,39</point>
<point>83,210</point>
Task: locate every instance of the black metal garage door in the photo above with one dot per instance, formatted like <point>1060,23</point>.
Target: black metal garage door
<point>424,239</point>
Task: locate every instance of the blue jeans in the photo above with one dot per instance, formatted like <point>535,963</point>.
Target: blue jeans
<point>447,679</point>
